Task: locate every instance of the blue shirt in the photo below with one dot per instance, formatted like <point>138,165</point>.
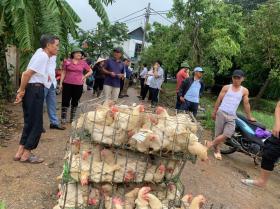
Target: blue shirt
<point>113,66</point>
<point>157,82</point>
<point>192,94</point>
<point>128,72</point>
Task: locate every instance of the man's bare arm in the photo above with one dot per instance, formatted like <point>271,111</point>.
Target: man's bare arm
<point>246,104</point>
<point>276,128</point>
<point>26,75</point>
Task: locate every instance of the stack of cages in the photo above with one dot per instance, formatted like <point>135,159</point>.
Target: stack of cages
<point>120,156</point>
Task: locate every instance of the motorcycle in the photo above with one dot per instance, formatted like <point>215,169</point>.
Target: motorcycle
<point>244,139</point>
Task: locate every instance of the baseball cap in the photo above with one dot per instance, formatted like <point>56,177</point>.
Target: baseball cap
<point>198,69</point>
<point>118,50</point>
<point>238,73</point>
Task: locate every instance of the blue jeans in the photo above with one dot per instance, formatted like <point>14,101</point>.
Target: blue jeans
<point>50,98</point>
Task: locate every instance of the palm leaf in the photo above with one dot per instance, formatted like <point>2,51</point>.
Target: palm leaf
<point>23,27</point>
<point>2,22</point>
<point>49,22</point>
<point>100,10</point>
<point>66,10</point>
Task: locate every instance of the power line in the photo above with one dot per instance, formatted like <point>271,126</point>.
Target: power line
<point>162,16</point>
<point>129,15</point>
<point>142,15</point>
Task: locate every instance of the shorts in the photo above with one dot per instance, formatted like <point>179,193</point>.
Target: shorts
<point>271,153</point>
<point>224,124</point>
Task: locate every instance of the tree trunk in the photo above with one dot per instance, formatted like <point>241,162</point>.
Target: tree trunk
<point>262,90</point>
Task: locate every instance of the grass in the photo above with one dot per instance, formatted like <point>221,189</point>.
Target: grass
<point>2,205</point>
<point>170,86</point>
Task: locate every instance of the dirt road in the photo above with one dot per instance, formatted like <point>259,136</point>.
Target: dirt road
<point>24,186</point>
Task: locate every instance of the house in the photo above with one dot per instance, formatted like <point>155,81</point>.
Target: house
<point>133,46</point>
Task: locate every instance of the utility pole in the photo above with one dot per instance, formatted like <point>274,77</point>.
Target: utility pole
<point>147,17</point>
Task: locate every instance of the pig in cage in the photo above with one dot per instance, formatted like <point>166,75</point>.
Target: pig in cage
<point>131,127</point>
<point>88,162</point>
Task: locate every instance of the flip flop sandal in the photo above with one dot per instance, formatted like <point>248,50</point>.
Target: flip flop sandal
<point>218,155</point>
<point>18,158</point>
<point>33,160</point>
<point>248,182</point>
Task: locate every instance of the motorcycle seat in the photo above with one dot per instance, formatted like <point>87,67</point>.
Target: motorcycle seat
<point>255,124</point>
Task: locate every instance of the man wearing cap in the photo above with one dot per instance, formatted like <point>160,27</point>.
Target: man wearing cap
<point>190,91</point>
<point>181,76</point>
<point>114,72</point>
<point>225,109</point>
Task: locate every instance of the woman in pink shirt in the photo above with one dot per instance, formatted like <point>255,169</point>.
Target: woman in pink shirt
<point>181,76</point>
<point>72,81</point>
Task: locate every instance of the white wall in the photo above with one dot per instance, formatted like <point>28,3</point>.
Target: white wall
<point>129,47</point>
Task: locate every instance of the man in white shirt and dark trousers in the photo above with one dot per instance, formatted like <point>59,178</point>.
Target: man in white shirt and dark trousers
<point>50,95</point>
<point>31,94</point>
<point>142,80</point>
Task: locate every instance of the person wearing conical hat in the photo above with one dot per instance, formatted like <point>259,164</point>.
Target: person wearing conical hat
<point>98,76</point>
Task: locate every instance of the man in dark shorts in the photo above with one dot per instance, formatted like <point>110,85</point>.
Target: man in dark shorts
<point>271,154</point>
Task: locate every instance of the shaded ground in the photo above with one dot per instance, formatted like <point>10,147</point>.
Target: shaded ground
<point>25,186</point>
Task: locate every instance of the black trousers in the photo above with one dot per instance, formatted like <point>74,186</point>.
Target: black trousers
<point>32,105</point>
<point>154,94</point>
<point>190,107</point>
<point>145,91</point>
<point>98,84</point>
<point>142,83</point>
<point>71,93</point>
<point>121,86</point>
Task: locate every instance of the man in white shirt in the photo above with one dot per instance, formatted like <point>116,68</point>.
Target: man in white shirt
<point>50,95</point>
<point>142,80</point>
<point>31,94</point>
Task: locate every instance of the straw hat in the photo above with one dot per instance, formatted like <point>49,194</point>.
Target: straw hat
<point>100,60</point>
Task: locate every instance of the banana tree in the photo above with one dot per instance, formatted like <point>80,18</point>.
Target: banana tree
<point>22,22</point>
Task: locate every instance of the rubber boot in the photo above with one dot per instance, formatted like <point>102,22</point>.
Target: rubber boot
<point>72,114</point>
<point>64,114</point>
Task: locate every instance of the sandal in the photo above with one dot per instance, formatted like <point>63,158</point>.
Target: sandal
<point>16,158</point>
<point>218,155</point>
<point>33,160</point>
<point>248,182</point>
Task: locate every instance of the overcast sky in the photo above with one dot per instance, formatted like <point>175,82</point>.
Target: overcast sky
<point>119,9</point>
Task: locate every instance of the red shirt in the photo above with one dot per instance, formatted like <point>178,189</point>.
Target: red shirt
<point>181,76</point>
<point>74,72</point>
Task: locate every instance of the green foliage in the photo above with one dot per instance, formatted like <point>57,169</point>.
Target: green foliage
<point>22,22</point>
<point>261,51</point>
<point>2,205</point>
<point>222,36</point>
<point>207,33</point>
<point>100,42</point>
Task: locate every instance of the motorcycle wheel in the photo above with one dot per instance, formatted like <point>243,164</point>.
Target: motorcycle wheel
<point>227,149</point>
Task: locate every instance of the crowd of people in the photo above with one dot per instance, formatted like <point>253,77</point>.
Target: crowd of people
<point>112,76</point>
